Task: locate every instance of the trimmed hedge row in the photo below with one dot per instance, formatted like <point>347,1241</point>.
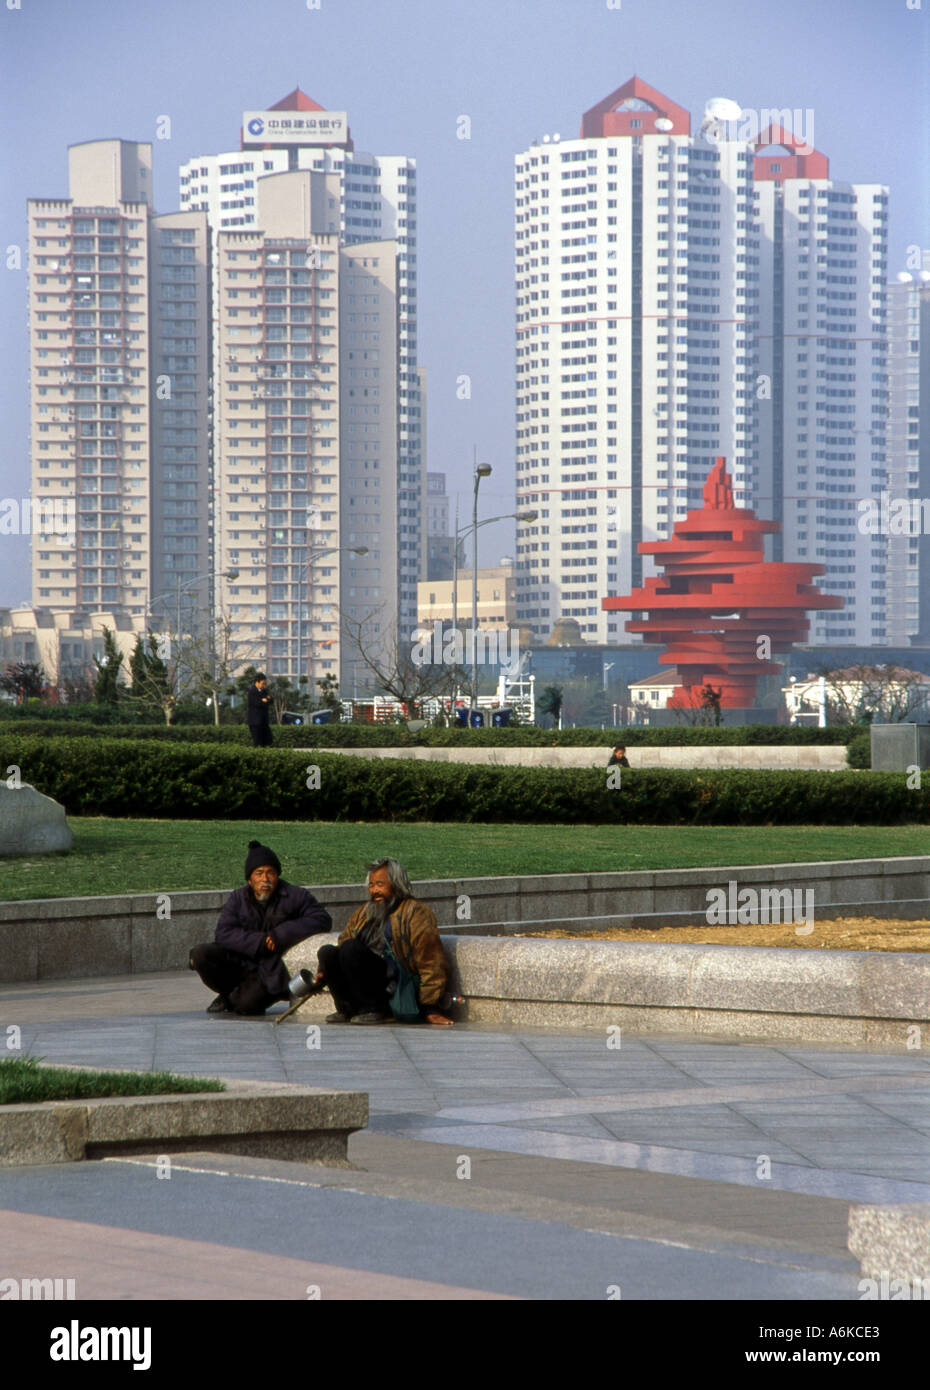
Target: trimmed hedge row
<point>140,779</point>
<point>859,750</point>
<point>123,713</point>
<point>398,736</point>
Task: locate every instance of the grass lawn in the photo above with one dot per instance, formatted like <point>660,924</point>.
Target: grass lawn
<point>156,856</point>
<point>23,1080</point>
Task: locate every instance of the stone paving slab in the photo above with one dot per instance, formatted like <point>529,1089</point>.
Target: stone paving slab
<point>116,1264</point>
<point>528,1253</point>
<point>651,1128</point>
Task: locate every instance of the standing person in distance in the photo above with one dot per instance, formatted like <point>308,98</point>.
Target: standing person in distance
<point>618,757</point>
<point>257,712</point>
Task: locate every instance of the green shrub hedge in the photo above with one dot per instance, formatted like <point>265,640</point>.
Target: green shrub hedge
<point>398,736</point>
<point>122,713</point>
<point>140,778</point>
<point>859,750</point>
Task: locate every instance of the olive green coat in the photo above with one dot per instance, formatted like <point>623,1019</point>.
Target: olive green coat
<point>416,945</point>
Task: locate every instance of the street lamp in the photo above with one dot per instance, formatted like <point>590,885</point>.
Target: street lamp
<point>463,531</point>
<point>180,589</point>
<point>489,521</point>
<point>229,575</point>
<point>310,558</point>
<point>481,471</point>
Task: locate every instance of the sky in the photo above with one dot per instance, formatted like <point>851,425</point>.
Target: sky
<point>406,71</point>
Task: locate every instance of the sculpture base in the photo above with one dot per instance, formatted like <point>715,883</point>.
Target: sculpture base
<point>729,718</point>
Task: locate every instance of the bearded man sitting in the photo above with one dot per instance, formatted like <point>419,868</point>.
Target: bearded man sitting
<point>393,929</point>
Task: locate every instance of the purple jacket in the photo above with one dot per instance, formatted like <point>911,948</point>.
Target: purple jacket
<point>290,916</point>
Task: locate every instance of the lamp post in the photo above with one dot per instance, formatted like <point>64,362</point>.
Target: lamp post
<point>482,470</point>
<point>310,558</point>
<point>489,521</point>
<point>229,575</point>
<point>180,589</point>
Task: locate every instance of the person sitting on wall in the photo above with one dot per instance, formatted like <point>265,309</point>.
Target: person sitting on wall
<point>257,924</point>
<point>391,936</point>
<point>618,757</point>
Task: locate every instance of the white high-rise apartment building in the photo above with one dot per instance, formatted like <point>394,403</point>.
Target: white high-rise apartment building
<point>909,455</point>
<point>636,300</point>
<point>375,202</point>
<point>181,476</point>
<point>680,297</point>
<point>118,387</point>
<point>305,435</point>
<point>823,363</point>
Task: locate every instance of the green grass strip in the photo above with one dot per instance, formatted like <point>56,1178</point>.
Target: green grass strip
<point>158,856</point>
<point>23,1080</point>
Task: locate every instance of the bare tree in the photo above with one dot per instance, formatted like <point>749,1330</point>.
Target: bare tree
<point>702,708</point>
<point>861,694</point>
<point>399,667</point>
<point>213,657</point>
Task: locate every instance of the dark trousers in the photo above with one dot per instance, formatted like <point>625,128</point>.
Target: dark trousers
<point>357,978</point>
<point>261,735</point>
<point>234,977</point>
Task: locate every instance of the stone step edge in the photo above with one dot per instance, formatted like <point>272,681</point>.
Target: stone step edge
<point>270,1119</point>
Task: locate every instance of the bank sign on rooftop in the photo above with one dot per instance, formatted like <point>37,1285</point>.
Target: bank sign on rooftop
<point>294,127</point>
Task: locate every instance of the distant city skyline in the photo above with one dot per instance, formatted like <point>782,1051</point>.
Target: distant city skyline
<point>499,79</point>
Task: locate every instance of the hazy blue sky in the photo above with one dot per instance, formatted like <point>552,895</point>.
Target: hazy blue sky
<point>405,70</point>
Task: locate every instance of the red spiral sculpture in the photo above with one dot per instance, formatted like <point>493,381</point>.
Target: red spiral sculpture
<point>720,609</point>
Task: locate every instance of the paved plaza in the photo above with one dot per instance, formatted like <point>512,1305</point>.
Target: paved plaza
<point>499,1162</point>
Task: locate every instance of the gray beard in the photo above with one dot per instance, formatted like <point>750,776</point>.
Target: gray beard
<point>376,916</point>
<point>377,913</point>
<point>264,896</point>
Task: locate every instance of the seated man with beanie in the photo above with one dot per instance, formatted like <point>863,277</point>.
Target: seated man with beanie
<point>393,929</point>
<point>257,925</point>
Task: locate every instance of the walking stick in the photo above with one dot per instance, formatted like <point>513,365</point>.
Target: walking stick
<point>316,988</point>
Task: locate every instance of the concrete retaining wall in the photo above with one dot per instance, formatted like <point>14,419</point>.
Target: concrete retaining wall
<point>56,938</point>
<point>737,991</point>
<point>811,757</point>
<point>848,997</point>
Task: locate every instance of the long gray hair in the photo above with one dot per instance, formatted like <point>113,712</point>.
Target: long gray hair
<point>377,913</point>
<point>401,886</point>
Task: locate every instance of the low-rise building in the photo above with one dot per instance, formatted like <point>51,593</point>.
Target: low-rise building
<point>63,643</point>
<point>886,693</point>
<point>497,605</point>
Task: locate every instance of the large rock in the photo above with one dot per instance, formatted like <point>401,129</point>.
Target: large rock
<point>31,823</point>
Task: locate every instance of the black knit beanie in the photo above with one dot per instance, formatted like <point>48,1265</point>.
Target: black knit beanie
<point>258,857</point>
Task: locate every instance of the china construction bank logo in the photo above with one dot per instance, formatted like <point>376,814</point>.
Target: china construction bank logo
<point>256,125</point>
